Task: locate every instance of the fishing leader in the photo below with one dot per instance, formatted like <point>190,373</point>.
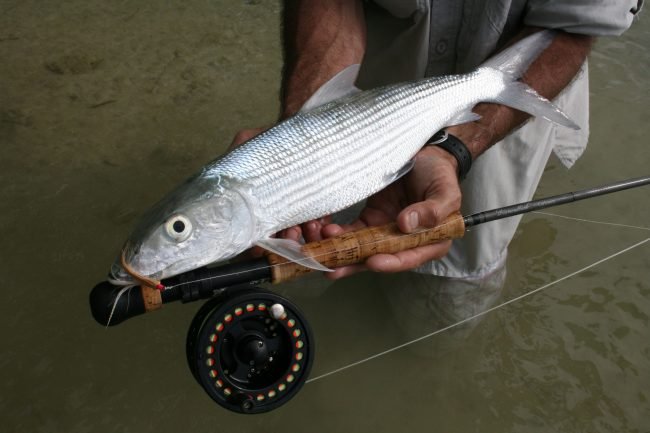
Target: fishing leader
<point>405,40</point>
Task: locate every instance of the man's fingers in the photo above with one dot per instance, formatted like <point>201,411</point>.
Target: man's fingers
<point>244,135</point>
<point>376,217</point>
<point>408,259</point>
<point>437,192</point>
<point>332,230</point>
<point>401,261</point>
<point>311,230</point>
<point>428,213</point>
<point>294,233</point>
<point>368,217</point>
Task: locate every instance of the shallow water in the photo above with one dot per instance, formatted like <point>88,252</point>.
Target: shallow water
<point>105,106</point>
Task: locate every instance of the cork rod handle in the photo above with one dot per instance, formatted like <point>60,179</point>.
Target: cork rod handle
<point>357,246</point>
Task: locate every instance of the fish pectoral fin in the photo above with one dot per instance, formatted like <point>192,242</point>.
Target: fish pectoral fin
<point>291,250</point>
<point>463,117</point>
<point>393,176</point>
<point>339,86</point>
<point>518,95</point>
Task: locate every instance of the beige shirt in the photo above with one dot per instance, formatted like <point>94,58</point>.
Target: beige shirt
<point>410,39</point>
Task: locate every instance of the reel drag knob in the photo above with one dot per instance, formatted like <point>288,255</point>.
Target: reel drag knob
<point>251,350</point>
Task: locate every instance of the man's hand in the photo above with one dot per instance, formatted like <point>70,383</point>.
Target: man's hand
<point>421,199</point>
<point>244,135</point>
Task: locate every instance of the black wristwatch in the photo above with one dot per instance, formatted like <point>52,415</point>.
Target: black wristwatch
<point>457,148</point>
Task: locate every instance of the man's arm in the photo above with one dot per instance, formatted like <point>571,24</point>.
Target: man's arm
<point>320,38</point>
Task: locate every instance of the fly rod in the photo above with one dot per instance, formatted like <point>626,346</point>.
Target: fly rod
<point>107,301</point>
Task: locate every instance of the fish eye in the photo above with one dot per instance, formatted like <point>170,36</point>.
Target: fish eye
<point>178,227</point>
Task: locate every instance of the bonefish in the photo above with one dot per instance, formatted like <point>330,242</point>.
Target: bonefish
<point>343,146</point>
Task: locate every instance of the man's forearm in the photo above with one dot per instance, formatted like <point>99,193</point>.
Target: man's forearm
<point>320,39</point>
<point>548,75</point>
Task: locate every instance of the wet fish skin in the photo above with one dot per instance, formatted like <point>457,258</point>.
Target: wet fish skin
<point>318,162</point>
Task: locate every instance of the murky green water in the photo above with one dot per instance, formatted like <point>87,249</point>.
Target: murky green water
<point>106,105</point>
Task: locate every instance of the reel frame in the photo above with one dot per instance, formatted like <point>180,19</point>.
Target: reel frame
<point>251,350</point>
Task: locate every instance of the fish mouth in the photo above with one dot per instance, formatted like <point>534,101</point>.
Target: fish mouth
<point>180,267</point>
<point>125,272</point>
<point>158,274</point>
<point>118,276</point>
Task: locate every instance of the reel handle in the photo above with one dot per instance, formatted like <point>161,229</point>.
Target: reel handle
<point>355,247</point>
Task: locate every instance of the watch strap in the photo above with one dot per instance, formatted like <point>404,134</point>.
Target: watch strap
<point>456,147</point>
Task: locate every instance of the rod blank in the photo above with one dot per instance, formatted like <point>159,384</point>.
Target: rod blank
<point>556,200</point>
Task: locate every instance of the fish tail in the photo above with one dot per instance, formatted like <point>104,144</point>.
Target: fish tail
<point>512,63</point>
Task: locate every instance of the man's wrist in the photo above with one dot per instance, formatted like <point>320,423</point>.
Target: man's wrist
<point>478,136</point>
<point>456,149</point>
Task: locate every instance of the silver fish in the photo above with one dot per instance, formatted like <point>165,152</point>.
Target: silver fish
<point>343,146</point>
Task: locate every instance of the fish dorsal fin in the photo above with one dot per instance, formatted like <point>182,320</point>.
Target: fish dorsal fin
<point>340,85</point>
<point>291,250</point>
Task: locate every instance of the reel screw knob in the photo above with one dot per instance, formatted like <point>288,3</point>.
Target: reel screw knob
<point>277,311</point>
<point>247,405</point>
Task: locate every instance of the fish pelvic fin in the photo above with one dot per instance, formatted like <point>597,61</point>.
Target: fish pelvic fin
<point>511,64</point>
<point>291,250</point>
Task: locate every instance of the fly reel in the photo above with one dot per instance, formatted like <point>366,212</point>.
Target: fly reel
<point>251,350</point>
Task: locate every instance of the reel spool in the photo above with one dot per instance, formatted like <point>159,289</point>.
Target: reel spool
<point>250,350</point>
